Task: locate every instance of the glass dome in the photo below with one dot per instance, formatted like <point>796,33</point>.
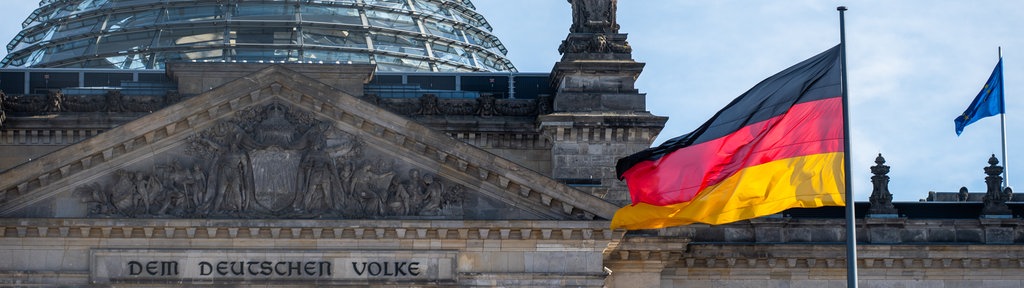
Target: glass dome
<point>397,35</point>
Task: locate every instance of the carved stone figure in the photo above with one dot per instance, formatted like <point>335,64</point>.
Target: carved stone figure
<point>594,32</point>
<point>433,196</point>
<point>428,105</point>
<point>54,101</point>
<point>343,196</point>
<point>486,106</point>
<point>601,44</point>
<point>317,181</point>
<point>122,194</point>
<point>232,172</point>
<point>114,101</point>
<point>408,195</point>
<point>397,198</point>
<point>196,186</point>
<point>544,105</point>
<point>98,199</point>
<point>594,16</point>
<point>368,183</point>
<point>175,180</point>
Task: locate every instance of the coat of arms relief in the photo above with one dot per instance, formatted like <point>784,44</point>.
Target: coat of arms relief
<point>273,162</point>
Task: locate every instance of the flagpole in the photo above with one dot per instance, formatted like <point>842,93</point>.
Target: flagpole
<point>1002,124</point>
<point>851,228</point>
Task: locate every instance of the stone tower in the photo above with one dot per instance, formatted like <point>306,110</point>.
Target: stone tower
<point>599,116</point>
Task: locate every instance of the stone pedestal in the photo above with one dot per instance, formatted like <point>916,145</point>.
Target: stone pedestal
<point>597,85</point>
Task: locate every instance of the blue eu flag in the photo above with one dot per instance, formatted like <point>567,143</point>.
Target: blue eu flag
<point>988,103</point>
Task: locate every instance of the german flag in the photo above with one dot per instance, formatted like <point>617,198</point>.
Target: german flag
<point>779,145</point>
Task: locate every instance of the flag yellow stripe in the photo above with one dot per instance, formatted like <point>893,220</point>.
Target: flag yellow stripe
<point>807,181</point>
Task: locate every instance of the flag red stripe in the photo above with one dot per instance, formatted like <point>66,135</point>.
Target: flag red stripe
<point>807,128</point>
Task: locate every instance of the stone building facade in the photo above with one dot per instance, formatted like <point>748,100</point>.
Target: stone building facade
<point>243,174</point>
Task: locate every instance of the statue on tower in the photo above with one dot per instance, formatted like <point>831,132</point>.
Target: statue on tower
<point>593,16</point>
<point>595,31</point>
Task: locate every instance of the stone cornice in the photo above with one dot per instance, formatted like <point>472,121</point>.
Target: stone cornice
<point>869,230</point>
<point>896,243</point>
<point>823,256</point>
<point>695,255</point>
<point>307,229</point>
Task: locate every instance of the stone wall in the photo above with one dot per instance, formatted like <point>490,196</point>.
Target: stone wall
<point>482,253</point>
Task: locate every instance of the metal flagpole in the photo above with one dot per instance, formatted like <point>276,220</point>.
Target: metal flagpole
<point>851,228</point>
<point>1002,118</point>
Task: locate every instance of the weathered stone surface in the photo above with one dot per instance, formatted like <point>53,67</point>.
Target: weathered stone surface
<point>391,135</point>
<point>585,146</point>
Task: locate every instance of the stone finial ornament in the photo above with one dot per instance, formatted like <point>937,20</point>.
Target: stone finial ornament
<point>881,198</point>
<point>995,196</point>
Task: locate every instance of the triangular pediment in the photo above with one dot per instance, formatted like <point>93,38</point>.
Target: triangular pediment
<point>279,144</point>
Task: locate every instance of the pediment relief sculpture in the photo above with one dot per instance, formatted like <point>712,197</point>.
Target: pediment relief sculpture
<point>274,162</point>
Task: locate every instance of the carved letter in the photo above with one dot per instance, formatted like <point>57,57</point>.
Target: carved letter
<point>310,268</point>
<point>295,269</point>
<point>205,268</point>
<point>249,267</point>
<point>277,268</point>
<point>169,268</point>
<point>134,268</point>
<point>326,266</point>
<point>355,267</point>
<point>237,269</point>
<point>152,267</point>
<point>265,268</point>
<point>414,268</point>
<point>400,269</point>
<point>371,267</point>
<point>222,268</point>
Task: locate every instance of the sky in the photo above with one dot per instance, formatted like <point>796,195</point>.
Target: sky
<point>914,66</point>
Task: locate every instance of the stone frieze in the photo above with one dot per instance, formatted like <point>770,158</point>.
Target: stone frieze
<point>108,101</point>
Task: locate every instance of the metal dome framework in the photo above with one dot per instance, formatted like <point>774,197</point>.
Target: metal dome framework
<point>397,35</point>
